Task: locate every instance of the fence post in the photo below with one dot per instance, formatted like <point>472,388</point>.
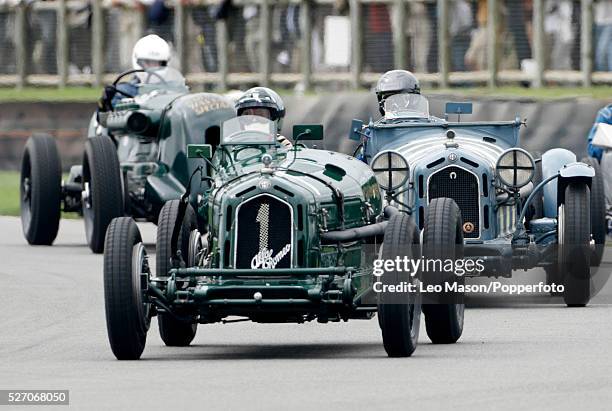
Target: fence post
<point>21,44</point>
<point>222,53</point>
<point>399,37</point>
<point>492,45</point>
<point>443,42</point>
<point>265,32</point>
<point>306,43</point>
<point>97,42</point>
<point>356,42</point>
<point>586,42</point>
<point>62,44</point>
<point>539,40</point>
<point>179,34</point>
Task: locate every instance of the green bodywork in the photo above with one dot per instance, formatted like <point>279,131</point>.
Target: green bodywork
<point>326,191</point>
<point>152,132</point>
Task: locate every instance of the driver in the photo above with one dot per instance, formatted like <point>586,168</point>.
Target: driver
<point>395,82</point>
<point>149,52</point>
<point>264,102</point>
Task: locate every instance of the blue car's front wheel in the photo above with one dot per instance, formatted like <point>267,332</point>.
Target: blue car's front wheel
<point>443,240</point>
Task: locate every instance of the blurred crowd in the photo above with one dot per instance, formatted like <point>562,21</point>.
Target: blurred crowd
<point>127,20</point>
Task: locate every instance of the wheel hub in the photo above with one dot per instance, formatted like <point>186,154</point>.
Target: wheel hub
<point>27,189</point>
<point>86,195</point>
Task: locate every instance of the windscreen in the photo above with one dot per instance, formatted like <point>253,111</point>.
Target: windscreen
<point>406,106</point>
<point>248,130</point>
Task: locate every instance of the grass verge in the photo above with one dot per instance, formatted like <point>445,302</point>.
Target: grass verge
<point>92,94</point>
<point>9,195</point>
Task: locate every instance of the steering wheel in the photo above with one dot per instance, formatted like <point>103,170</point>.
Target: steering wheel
<point>128,72</point>
<point>248,160</point>
<point>132,71</point>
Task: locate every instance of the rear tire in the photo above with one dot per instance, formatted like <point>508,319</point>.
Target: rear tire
<point>443,239</point>
<point>102,188</point>
<point>125,269</point>
<point>40,190</point>
<point>173,332</point>
<point>399,320</point>
<point>574,245</point>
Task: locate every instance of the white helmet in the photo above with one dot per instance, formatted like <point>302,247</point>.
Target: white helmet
<point>150,48</point>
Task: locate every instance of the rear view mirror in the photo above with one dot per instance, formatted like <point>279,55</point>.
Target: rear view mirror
<point>199,151</point>
<point>355,133</point>
<point>308,132</point>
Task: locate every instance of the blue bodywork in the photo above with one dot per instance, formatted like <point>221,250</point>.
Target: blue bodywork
<point>470,150</point>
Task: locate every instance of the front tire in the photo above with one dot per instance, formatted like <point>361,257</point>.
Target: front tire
<point>443,239</point>
<point>40,190</point>
<point>126,276</point>
<point>173,332</point>
<point>598,212</point>
<point>102,189</point>
<point>399,320</point>
<point>574,245</point>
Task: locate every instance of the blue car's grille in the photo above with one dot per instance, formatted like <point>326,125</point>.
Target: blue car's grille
<point>462,186</point>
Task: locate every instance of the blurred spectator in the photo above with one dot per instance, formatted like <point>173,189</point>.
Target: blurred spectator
<point>603,35</point>
<point>519,24</point>
<point>252,37</point>
<point>476,56</point>
<point>378,39</point>
<point>285,37</point>
<point>43,39</point>
<point>431,9</point>
<point>559,33</point>
<point>460,15</point>
<point>123,29</point>
<point>239,53</point>
<point>7,36</point>
<point>159,19</point>
<point>205,19</point>
<point>418,29</point>
<point>79,24</point>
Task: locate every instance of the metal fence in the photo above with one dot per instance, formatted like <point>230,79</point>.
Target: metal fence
<point>224,44</point>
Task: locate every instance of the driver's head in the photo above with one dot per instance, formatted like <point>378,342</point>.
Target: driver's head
<point>149,52</point>
<point>263,102</point>
<point>395,82</point>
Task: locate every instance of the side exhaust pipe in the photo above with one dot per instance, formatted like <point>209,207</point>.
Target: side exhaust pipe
<point>359,233</point>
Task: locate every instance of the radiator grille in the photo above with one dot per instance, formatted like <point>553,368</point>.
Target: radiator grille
<point>263,235</point>
<point>462,186</point>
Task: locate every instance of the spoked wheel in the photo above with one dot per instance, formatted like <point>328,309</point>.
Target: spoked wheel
<point>40,190</point>
<point>173,331</point>
<point>443,239</point>
<point>399,316</point>
<point>126,279</point>
<point>102,189</point>
<point>598,213</point>
<point>574,222</point>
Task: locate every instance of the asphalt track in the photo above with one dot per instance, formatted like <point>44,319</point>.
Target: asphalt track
<point>53,336</point>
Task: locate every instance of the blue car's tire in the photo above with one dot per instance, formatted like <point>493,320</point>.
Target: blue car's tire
<point>40,190</point>
<point>399,317</point>
<point>574,245</point>
<point>598,212</point>
<point>127,309</point>
<point>443,239</point>
<point>173,332</point>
